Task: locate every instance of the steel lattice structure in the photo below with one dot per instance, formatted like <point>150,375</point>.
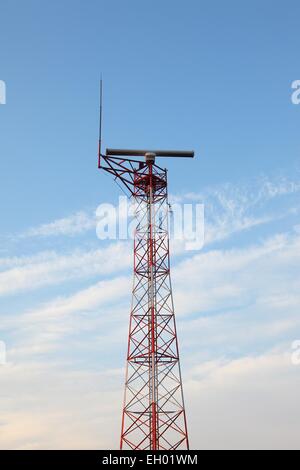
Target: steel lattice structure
<point>153,415</point>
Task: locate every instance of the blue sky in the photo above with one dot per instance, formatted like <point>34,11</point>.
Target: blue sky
<point>212,76</point>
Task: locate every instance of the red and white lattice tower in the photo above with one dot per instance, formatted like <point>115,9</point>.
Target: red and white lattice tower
<point>153,415</point>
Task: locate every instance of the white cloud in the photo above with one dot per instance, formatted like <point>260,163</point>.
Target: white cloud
<point>230,296</point>
<point>58,408</point>
<point>240,197</point>
<point>223,279</point>
<point>93,310</point>
<point>74,224</point>
<point>228,208</point>
<point>248,403</point>
<point>231,303</point>
<point>30,273</point>
<point>23,260</point>
<point>231,209</point>
<point>104,292</point>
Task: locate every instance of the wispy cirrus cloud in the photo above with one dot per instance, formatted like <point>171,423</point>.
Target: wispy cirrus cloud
<point>49,268</point>
<point>42,329</point>
<point>219,279</point>
<point>212,291</point>
<point>74,224</point>
<point>237,309</point>
<point>229,208</point>
<point>238,198</point>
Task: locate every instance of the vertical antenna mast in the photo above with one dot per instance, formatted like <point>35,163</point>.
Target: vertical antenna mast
<point>100,125</point>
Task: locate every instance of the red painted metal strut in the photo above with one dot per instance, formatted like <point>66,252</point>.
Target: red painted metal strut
<point>153,416</point>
